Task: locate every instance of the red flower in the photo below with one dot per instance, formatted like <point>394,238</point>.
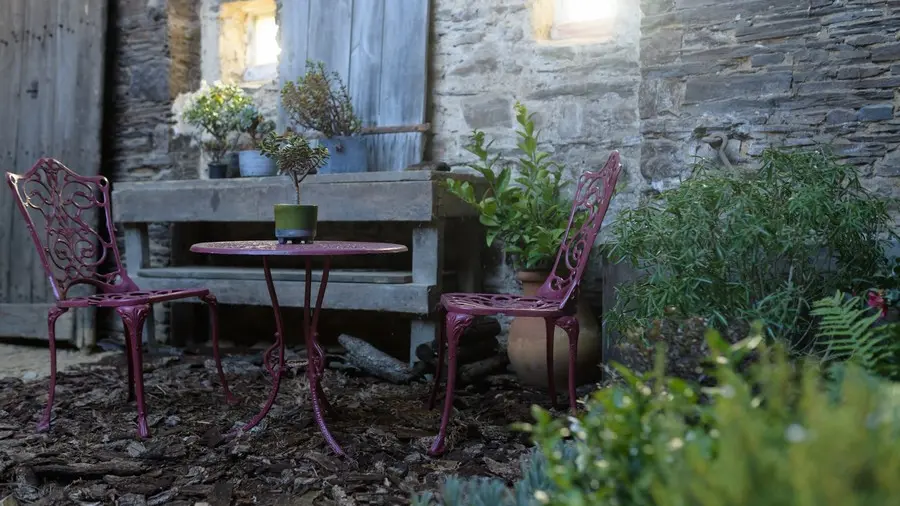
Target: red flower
<point>876,300</point>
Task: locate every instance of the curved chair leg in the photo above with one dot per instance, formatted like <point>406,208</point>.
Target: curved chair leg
<point>130,377</point>
<point>53,315</point>
<point>133,317</point>
<point>570,325</point>
<point>441,344</point>
<point>213,305</point>
<point>456,325</point>
<point>551,377</point>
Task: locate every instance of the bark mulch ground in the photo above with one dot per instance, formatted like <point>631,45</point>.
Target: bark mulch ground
<point>93,456</point>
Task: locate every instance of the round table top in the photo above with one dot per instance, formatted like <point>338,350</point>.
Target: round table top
<point>317,248</point>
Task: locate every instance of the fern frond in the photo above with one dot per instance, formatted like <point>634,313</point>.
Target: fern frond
<point>850,333</point>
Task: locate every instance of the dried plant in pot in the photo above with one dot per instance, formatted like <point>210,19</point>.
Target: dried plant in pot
<point>252,162</point>
<point>214,111</point>
<point>320,101</point>
<point>295,158</point>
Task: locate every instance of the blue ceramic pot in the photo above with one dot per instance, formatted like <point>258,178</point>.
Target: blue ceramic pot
<point>346,154</point>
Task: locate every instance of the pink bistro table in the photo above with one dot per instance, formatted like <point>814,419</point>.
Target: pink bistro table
<point>314,352</point>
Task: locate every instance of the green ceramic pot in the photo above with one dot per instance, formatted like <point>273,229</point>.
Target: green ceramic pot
<point>295,223</point>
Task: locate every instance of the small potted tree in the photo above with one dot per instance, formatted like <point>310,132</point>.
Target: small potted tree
<point>526,210</point>
<point>252,162</point>
<point>215,112</point>
<point>319,101</point>
<point>294,157</point>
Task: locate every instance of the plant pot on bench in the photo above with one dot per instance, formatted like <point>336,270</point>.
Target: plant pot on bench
<point>294,223</point>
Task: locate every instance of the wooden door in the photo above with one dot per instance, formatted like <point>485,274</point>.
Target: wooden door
<point>51,99</point>
<point>380,50</point>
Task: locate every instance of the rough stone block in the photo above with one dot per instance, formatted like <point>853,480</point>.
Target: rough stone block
<point>887,52</point>
<point>837,116</point>
<point>877,112</point>
<point>722,87</point>
<point>485,113</point>
<point>761,60</point>
<point>859,72</point>
<point>867,39</point>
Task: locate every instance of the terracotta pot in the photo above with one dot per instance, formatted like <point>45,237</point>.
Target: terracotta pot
<point>527,348</point>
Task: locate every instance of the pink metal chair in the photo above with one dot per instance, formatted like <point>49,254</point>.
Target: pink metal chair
<point>54,201</point>
<point>555,300</point>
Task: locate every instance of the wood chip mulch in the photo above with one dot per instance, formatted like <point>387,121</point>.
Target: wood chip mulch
<point>92,454</point>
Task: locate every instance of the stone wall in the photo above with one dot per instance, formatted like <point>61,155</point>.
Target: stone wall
<point>770,73</point>
<point>485,56</point>
<point>155,52</point>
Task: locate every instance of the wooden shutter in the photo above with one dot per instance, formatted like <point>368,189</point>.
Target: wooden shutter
<point>380,50</point>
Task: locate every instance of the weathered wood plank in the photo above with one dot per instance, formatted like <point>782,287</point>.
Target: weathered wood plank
<point>246,201</point>
<point>404,78</point>
<point>365,70</point>
<point>396,298</point>
<point>256,274</point>
<point>35,100</point>
<point>58,54</point>
<point>30,321</point>
<point>330,24</point>
<point>293,34</point>
<point>12,32</point>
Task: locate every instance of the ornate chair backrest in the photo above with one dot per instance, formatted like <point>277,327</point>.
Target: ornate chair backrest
<point>593,195</point>
<point>58,206</point>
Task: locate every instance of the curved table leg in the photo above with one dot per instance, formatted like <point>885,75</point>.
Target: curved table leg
<point>315,354</point>
<point>275,372</point>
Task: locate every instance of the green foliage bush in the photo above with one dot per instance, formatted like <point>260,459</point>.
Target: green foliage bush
<point>771,432</point>
<point>751,245</point>
<point>216,110</point>
<point>523,205</point>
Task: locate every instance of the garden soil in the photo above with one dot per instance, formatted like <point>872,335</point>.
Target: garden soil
<point>92,455</point>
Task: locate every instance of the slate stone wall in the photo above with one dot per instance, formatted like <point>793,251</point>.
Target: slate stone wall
<point>156,55</point>
<point>770,73</point>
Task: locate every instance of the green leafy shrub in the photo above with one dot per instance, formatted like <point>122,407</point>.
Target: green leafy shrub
<point>293,156</point>
<point>523,205</point>
<point>216,111</point>
<point>770,432</point>
<point>319,101</point>
<point>788,438</point>
<point>751,245</point>
<point>254,124</point>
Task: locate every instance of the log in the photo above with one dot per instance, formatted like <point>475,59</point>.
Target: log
<point>79,469</point>
<point>472,373</point>
<point>374,361</point>
<point>465,354</point>
<point>481,330</point>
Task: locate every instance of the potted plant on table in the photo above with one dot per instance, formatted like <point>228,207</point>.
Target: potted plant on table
<point>252,162</point>
<point>215,111</point>
<point>528,213</point>
<point>294,157</point>
<point>319,101</point>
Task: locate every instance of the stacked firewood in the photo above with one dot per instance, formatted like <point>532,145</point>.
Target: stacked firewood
<point>478,355</point>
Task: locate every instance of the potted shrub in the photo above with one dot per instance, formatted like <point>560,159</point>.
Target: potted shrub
<point>215,112</point>
<point>319,101</point>
<point>252,162</point>
<point>529,215</point>
<point>294,157</point>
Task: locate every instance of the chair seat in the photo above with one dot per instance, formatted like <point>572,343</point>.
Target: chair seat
<point>134,298</point>
<point>485,304</point>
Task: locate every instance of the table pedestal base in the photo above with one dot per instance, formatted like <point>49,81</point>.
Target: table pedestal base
<point>315,355</point>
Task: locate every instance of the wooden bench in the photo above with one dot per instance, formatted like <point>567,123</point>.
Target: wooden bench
<point>415,197</point>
